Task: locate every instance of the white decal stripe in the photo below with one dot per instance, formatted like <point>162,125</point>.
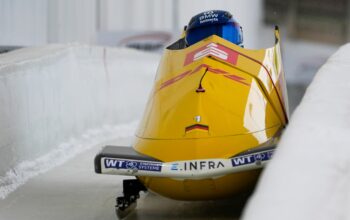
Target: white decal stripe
<point>219,51</point>
<point>201,54</point>
<point>211,50</point>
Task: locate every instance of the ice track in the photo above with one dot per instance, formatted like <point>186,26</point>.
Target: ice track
<point>73,191</point>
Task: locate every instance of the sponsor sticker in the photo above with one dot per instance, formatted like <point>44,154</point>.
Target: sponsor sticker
<point>209,16</point>
<point>197,165</point>
<point>133,165</point>
<point>252,158</point>
<point>174,166</point>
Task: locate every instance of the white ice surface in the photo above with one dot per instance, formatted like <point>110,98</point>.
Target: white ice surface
<point>71,191</point>
<point>25,170</point>
<point>309,177</point>
<point>59,100</point>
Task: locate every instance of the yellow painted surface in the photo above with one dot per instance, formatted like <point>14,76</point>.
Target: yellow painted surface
<point>244,106</point>
<point>206,189</point>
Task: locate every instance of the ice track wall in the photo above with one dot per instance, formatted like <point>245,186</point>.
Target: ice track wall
<point>52,94</point>
<point>309,177</point>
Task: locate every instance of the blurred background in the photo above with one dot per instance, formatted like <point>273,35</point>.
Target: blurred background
<point>311,29</point>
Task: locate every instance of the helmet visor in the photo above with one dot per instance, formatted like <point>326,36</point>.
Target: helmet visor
<point>229,31</point>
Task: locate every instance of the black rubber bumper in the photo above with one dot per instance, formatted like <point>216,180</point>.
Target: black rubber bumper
<point>121,153</point>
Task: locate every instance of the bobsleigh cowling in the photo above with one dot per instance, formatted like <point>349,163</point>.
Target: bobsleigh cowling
<point>212,121</point>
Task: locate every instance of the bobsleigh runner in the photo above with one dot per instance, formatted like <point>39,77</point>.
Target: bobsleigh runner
<point>212,121</point>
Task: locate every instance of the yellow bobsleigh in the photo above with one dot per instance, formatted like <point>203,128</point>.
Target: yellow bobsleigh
<point>211,123</point>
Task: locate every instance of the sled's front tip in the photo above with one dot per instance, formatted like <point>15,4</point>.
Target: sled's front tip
<point>122,153</point>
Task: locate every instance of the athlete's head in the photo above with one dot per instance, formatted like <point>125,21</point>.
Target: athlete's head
<point>220,23</point>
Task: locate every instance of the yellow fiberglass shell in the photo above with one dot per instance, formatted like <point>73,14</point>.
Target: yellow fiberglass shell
<point>213,99</point>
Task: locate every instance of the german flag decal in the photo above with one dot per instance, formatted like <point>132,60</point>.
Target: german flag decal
<point>197,126</point>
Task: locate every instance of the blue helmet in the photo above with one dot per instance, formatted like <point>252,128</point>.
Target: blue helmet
<point>218,22</point>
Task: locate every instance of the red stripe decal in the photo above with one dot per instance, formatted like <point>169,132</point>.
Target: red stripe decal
<point>210,69</point>
<point>179,77</point>
<point>237,79</point>
<point>173,80</point>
